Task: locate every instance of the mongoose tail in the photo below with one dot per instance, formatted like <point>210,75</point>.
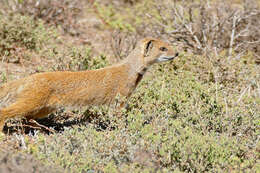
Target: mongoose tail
<point>40,94</point>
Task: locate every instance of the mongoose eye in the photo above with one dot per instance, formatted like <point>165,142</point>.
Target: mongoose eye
<point>163,49</point>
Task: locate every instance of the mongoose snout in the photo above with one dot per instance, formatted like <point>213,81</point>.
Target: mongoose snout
<point>165,58</point>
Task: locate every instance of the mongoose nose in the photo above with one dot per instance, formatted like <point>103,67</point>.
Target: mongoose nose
<point>177,54</point>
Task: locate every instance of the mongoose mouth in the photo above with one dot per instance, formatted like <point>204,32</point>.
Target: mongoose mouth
<point>177,54</point>
<point>166,58</point>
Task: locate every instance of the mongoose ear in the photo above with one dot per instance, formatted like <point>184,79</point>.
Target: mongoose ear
<point>148,47</point>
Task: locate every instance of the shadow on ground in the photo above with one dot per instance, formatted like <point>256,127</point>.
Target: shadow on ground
<point>57,124</point>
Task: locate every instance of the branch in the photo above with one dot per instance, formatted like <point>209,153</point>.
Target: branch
<point>189,28</point>
<point>235,18</point>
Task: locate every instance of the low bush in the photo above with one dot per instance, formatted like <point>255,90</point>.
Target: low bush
<point>19,33</point>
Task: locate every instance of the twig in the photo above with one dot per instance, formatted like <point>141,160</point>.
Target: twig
<point>242,94</point>
<point>189,28</point>
<point>42,126</point>
<point>240,54</point>
<point>21,139</point>
<point>232,35</point>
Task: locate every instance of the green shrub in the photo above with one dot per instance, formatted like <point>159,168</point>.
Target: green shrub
<point>77,59</point>
<point>22,32</point>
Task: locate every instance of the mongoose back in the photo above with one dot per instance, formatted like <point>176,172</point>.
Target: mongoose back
<point>38,95</point>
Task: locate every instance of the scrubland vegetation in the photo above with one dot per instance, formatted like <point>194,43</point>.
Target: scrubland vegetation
<point>199,113</point>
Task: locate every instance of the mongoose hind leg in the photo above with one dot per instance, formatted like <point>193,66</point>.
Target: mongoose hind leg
<point>18,109</point>
<point>41,113</point>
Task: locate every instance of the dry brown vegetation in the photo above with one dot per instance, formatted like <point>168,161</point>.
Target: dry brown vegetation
<point>199,113</point>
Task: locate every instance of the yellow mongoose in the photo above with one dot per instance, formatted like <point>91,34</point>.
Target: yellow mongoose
<point>40,94</point>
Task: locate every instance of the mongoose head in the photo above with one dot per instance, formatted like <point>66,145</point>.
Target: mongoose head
<point>155,51</point>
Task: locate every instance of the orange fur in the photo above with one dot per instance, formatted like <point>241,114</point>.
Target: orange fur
<point>40,94</point>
